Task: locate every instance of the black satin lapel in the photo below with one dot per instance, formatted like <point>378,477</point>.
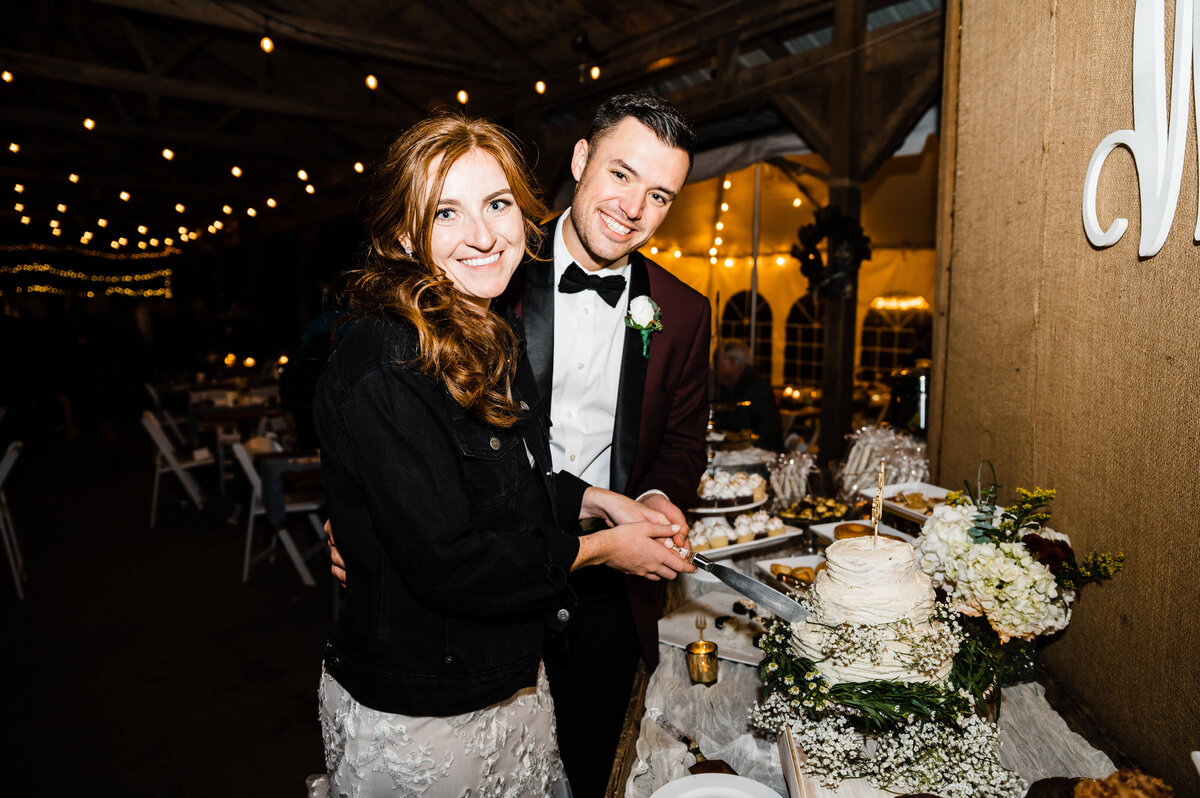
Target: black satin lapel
<point>537,312</point>
<point>628,421</point>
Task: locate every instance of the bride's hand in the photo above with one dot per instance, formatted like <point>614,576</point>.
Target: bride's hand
<point>617,509</point>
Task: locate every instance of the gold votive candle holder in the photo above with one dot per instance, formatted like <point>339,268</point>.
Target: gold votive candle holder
<point>702,662</point>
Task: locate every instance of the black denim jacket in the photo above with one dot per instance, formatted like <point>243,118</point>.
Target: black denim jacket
<point>455,558</point>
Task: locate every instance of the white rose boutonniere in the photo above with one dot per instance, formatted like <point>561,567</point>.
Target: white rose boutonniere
<point>645,316</point>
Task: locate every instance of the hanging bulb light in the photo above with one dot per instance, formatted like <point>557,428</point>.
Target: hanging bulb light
<point>141,229</point>
<point>124,195</point>
<point>303,175</point>
<point>90,124</point>
<point>236,171</point>
<point>540,87</point>
<point>595,73</point>
<point>358,167</point>
<point>74,178</point>
<point>266,44</point>
<point>225,209</point>
<point>372,82</point>
<point>168,153</point>
<point>271,202</point>
<point>462,96</point>
<point>309,188</point>
<point>61,208</point>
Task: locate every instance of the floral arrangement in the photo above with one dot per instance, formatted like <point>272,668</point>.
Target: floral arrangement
<point>920,736</point>
<point>1006,565</point>
<point>645,316</point>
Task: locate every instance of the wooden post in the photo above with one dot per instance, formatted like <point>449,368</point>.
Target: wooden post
<point>846,116</point>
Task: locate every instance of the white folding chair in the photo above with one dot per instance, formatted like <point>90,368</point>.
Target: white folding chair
<point>165,419</point>
<point>167,459</point>
<point>7,530</point>
<point>290,505</point>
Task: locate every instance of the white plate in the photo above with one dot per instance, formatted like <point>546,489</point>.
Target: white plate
<point>826,530</point>
<point>679,628</point>
<point>725,552</point>
<point>714,785</point>
<point>906,487</point>
<point>803,561</point>
<point>737,508</point>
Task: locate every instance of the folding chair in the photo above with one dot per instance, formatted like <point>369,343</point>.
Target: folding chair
<point>167,459</point>
<point>291,505</point>
<point>165,419</point>
<point>7,530</point>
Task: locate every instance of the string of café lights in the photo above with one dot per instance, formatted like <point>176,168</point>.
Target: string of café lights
<point>185,234</point>
<point>372,83</point>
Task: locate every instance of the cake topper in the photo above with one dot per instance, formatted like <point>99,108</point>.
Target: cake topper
<point>877,507</point>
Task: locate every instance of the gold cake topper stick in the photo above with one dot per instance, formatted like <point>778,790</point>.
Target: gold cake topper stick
<point>877,506</point>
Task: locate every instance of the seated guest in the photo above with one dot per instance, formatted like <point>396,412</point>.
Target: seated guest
<point>449,517</point>
<point>737,381</point>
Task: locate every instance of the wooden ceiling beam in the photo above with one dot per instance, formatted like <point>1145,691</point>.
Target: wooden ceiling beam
<point>887,131</point>
<point>313,32</point>
<point>808,118</point>
<point>112,78</point>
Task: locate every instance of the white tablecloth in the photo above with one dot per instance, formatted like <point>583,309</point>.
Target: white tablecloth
<point>1034,740</point>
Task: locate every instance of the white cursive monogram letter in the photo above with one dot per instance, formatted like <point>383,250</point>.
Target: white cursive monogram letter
<point>1156,148</point>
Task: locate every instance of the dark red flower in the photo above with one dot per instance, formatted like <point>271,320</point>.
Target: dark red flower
<point>1054,554</point>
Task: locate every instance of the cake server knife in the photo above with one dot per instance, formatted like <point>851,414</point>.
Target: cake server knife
<point>788,609</point>
<point>703,763</point>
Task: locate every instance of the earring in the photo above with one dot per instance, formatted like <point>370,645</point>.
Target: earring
<point>408,250</point>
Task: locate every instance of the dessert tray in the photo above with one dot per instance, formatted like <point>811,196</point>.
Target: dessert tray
<point>679,628</point>
<point>737,508</point>
<point>902,510</point>
<point>802,561</point>
<point>725,552</point>
<point>828,531</point>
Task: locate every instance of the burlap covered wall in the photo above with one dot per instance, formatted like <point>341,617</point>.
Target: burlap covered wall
<point>1073,367</point>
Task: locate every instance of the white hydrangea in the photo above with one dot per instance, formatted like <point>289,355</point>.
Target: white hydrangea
<point>1003,582</point>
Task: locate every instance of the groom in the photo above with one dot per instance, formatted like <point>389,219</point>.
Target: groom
<point>626,414</point>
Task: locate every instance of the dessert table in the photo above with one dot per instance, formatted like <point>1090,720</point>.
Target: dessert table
<point>1034,740</point>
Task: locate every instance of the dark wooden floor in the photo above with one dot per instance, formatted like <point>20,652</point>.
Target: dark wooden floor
<point>139,664</point>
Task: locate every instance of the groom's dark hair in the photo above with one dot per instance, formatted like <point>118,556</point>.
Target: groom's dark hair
<point>669,125</point>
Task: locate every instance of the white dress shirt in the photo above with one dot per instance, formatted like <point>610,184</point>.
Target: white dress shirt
<point>589,341</point>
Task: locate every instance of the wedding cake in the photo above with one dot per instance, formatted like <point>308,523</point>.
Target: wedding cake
<point>871,591</point>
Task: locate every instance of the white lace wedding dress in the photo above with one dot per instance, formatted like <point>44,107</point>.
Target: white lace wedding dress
<point>509,749</point>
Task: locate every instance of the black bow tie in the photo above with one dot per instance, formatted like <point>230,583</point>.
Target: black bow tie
<point>575,279</point>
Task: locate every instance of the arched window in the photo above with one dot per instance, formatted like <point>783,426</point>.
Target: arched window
<point>894,327</point>
<point>735,324</point>
<point>804,351</point>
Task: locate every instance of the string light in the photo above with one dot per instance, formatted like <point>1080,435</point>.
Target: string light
<point>271,202</point>
<point>309,188</point>
<point>899,303</point>
<point>89,123</point>
<point>251,212</point>
<point>59,248</point>
<point>595,73</point>
<point>212,229</point>
<point>54,222</point>
<point>303,175</point>
<point>74,178</point>
<point>780,260</point>
<point>18,188</point>
<point>727,184</point>
<point>653,250</point>
<point>358,167</point>
<point>122,241</point>
<point>218,224</point>
<point>283,359</point>
<point>372,82</point>
<point>124,196</point>
<point>230,359</point>
<point>236,171</point>
<point>6,76</point>
<point>141,245</point>
<point>713,261</point>
<point>61,208</point>
<point>102,222</point>
<point>182,230</point>
<point>225,209</point>
<point>168,153</point>
<point>141,229</point>
<point>248,362</point>
<point>154,242</point>
<point>796,202</point>
<point>718,241</point>
<point>462,96</point>
<point>266,44</point>
<point>56,232</point>
<point>24,220</point>
<point>14,147</point>
<point>20,206</point>
<point>712,251</point>
<point>729,263</point>
<point>724,206</point>
<point>169,241</point>
<point>179,208</point>
<point>540,87</point>
<point>677,253</point>
<point>192,235</point>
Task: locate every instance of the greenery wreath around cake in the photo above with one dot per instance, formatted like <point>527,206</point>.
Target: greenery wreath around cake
<point>1003,580</point>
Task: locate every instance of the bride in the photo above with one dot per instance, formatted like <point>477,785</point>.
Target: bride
<point>434,447</point>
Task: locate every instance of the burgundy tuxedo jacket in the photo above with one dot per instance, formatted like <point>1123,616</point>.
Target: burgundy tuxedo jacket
<point>662,401</point>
